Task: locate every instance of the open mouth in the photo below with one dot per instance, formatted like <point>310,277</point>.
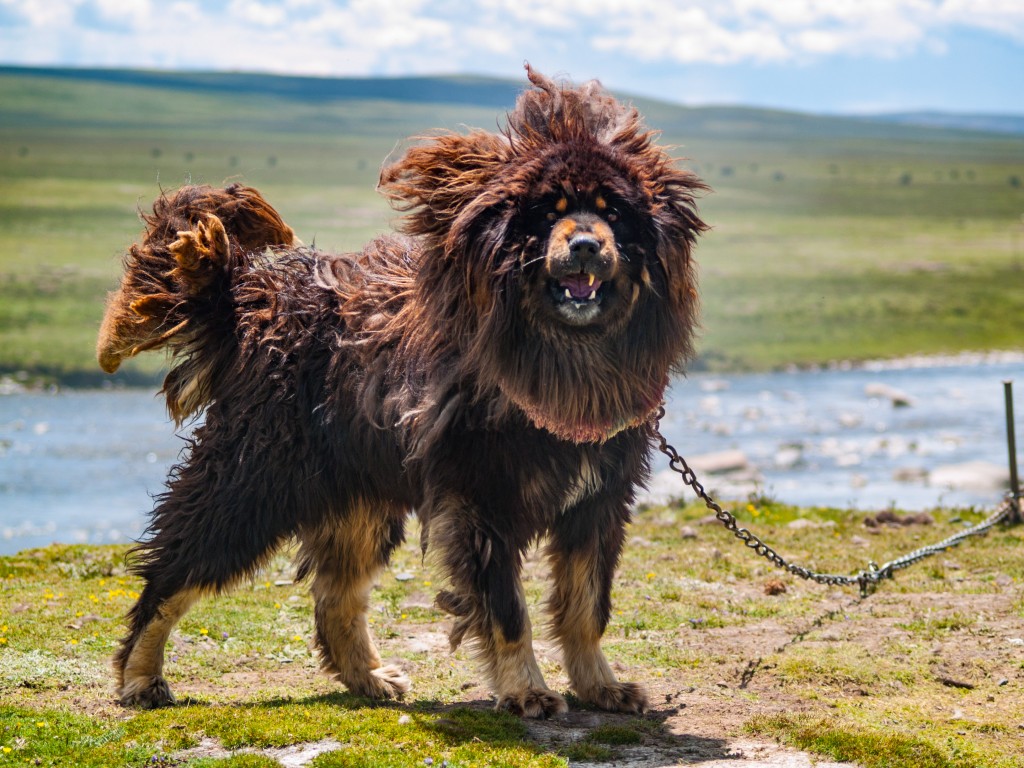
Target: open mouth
<point>581,289</point>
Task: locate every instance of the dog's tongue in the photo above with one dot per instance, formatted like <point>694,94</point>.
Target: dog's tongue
<point>579,286</point>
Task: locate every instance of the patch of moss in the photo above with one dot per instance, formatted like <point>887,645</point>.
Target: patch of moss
<point>869,748</point>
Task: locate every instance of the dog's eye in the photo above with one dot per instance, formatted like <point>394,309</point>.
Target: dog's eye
<point>611,215</point>
<point>552,216</point>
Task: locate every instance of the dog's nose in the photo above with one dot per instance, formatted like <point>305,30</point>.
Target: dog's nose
<point>584,249</point>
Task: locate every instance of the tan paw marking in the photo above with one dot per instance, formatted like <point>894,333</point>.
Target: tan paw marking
<point>146,693</point>
<point>387,682</point>
<point>533,702</point>
<point>630,698</point>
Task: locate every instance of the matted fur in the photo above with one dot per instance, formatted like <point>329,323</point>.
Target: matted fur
<point>494,371</point>
<point>174,279</point>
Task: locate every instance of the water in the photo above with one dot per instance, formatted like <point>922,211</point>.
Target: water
<point>79,466</point>
<point>819,438</point>
<point>82,466</point>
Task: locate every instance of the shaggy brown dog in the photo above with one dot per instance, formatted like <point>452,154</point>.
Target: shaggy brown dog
<point>496,373</point>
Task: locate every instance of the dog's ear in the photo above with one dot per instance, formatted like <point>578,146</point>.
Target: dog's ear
<point>446,179</point>
<point>671,196</point>
<point>678,225</point>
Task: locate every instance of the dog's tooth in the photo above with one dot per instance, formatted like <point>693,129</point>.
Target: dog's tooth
<point>591,281</point>
<point>568,293</point>
<point>592,296</point>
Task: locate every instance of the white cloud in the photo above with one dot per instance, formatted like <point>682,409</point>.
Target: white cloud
<point>41,13</point>
<point>130,13</point>
<point>691,35</point>
<point>772,30</point>
<point>258,14</point>
<point>1005,17</point>
<point>364,36</point>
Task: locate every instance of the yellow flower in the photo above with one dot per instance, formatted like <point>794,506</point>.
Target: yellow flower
<point>204,631</point>
<point>7,750</point>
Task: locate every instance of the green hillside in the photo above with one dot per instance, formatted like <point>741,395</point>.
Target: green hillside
<point>832,237</point>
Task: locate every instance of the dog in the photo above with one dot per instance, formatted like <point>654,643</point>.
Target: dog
<point>493,367</point>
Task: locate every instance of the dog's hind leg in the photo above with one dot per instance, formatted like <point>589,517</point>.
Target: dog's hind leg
<point>218,522</point>
<point>584,550</point>
<point>344,556</point>
<point>173,584</point>
<point>139,662</point>
<point>172,587</point>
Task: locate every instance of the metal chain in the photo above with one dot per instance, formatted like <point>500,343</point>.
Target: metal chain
<point>867,579</point>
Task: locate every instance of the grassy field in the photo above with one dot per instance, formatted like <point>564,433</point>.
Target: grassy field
<point>739,658</point>
<point>832,238</point>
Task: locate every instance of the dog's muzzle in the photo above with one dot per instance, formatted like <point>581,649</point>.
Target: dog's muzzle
<point>581,260</point>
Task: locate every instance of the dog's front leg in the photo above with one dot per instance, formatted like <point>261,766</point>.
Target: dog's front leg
<point>584,550</point>
<point>489,606</point>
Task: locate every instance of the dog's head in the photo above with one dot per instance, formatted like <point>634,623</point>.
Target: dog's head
<point>558,256</point>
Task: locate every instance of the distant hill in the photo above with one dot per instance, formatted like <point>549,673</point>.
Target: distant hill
<point>500,94</point>
<point>1013,124</point>
<point>455,89</point>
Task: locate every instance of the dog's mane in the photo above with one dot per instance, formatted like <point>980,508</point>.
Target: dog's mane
<point>550,112</point>
<point>461,194</point>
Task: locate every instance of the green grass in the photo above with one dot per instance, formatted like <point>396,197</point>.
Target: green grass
<point>369,736</point>
<point>832,239</point>
<point>866,748</point>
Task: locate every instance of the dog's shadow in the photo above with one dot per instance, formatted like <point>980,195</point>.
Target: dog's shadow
<point>577,735</point>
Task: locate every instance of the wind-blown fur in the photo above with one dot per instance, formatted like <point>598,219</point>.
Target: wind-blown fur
<point>494,370</point>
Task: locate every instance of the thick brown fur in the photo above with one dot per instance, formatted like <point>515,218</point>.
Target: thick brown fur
<point>495,371</point>
<point>174,279</point>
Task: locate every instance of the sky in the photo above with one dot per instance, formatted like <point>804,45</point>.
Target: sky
<point>822,56</point>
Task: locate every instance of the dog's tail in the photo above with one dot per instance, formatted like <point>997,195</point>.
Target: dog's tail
<point>174,292</point>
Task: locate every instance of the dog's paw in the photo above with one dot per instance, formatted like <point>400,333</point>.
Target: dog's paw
<point>533,702</point>
<point>393,682</point>
<point>146,693</point>
<point>388,682</point>
<point>630,698</point>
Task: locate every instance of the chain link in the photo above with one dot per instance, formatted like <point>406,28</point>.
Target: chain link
<point>866,579</point>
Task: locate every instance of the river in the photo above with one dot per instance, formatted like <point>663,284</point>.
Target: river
<point>82,466</point>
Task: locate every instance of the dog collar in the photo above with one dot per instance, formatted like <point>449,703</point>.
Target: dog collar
<point>589,432</point>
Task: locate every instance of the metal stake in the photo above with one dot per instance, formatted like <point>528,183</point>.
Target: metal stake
<point>1011,442</point>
